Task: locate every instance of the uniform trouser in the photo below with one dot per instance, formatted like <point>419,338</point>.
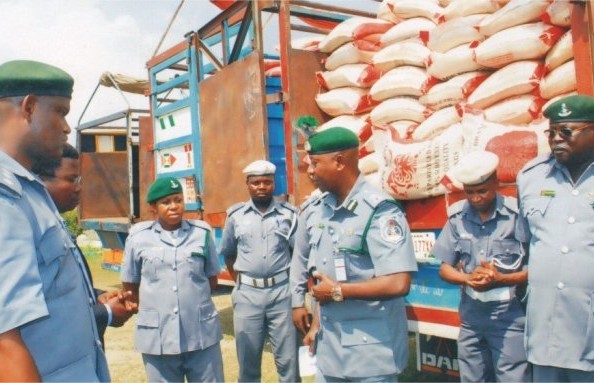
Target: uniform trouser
<point>258,312</point>
<point>491,342</point>
<point>321,378</point>
<point>557,374</point>
<point>196,366</point>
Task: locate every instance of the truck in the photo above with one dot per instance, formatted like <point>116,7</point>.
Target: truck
<point>212,110</point>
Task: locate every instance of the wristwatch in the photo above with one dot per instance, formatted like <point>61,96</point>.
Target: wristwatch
<point>337,293</point>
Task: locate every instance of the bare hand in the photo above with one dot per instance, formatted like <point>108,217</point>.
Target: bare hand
<point>128,300</point>
<point>119,308</point>
<point>322,291</point>
<point>310,340</point>
<point>301,319</point>
<point>106,296</point>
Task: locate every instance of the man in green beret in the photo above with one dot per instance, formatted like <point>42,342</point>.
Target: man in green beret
<point>556,196</point>
<point>361,256</point>
<point>47,326</point>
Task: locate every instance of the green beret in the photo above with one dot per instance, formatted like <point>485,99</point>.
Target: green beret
<point>332,140</point>
<point>574,108</point>
<point>23,77</point>
<point>163,187</point>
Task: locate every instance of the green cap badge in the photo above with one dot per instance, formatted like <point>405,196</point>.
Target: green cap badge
<point>574,108</point>
<point>331,140</point>
<point>163,187</point>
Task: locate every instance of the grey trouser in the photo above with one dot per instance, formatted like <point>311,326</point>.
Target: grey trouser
<point>491,342</point>
<point>321,378</point>
<point>196,366</point>
<point>558,374</point>
<point>258,312</point>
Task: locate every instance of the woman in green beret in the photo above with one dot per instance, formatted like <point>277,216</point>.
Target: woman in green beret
<point>171,266</point>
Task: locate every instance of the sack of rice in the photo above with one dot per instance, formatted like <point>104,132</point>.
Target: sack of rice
<point>453,62</point>
<point>558,13</point>
<point>436,123</point>
<point>359,124</point>
<point>407,9</point>
<point>560,53</point>
<point>402,81</point>
<point>516,12</point>
<point>461,8</point>
<point>354,52</point>
<point>351,29</point>
<point>398,108</point>
<point>453,33</point>
<point>394,131</point>
<point>516,110</point>
<point>561,80</point>
<point>452,91</point>
<point>409,52</point>
<point>357,75</point>
<point>341,101</point>
<point>407,29</point>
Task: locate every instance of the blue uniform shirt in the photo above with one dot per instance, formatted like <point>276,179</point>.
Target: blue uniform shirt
<point>361,338</point>
<point>259,243</point>
<point>42,291</point>
<point>466,239</point>
<point>176,313</point>
<point>557,219</point>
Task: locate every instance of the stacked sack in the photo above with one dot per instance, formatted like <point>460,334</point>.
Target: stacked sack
<point>440,78</point>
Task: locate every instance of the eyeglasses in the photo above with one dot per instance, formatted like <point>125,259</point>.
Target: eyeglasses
<point>564,132</point>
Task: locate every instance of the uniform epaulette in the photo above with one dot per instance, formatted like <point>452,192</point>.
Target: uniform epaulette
<point>288,206</point>
<point>199,223</point>
<point>9,184</point>
<point>535,161</point>
<point>511,203</point>
<point>456,208</point>
<point>373,198</point>
<point>312,201</point>
<point>140,226</point>
<point>235,208</point>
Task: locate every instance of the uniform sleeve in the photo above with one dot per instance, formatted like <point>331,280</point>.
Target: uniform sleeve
<point>131,264</point>
<point>21,288</point>
<point>212,266</point>
<point>389,241</point>
<point>445,246</point>
<point>298,273</point>
<point>522,229</point>
<point>228,241</point>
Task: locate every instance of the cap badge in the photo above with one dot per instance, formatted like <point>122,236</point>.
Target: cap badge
<point>174,185</point>
<point>564,112</point>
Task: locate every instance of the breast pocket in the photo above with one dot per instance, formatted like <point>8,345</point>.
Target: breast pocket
<point>193,262</point>
<point>280,234</point>
<point>464,251</point>
<point>245,238</point>
<point>152,262</point>
<point>62,273</point>
<point>507,255</point>
<point>535,211</point>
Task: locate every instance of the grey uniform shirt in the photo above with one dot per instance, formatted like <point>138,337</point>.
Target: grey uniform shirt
<point>361,338</point>
<point>466,239</point>
<point>42,290</point>
<point>299,260</point>
<point>176,313</point>
<point>259,243</point>
<point>557,219</point>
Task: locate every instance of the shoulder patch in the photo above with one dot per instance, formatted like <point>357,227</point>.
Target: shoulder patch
<point>199,223</point>
<point>140,226</point>
<point>288,206</point>
<point>9,184</point>
<point>456,208</point>
<point>235,208</point>
<point>511,203</point>
<point>534,162</point>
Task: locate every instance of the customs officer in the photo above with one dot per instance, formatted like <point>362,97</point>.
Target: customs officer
<point>362,254</point>
<point>257,241</point>
<point>47,326</point>
<point>556,195</point>
<point>171,266</point>
<point>479,251</point>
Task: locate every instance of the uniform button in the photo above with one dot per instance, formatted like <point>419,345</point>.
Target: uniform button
<point>98,343</point>
<point>174,288</point>
<point>365,339</point>
<point>482,227</point>
<point>331,230</point>
<point>324,318</point>
<point>324,261</point>
<point>91,301</point>
<point>482,252</point>
<point>560,285</point>
<point>571,219</point>
<point>175,310</point>
<point>575,192</point>
<point>565,249</point>
<point>174,267</point>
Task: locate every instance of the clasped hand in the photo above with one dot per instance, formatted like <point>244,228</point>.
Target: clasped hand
<point>483,277</point>
<point>121,304</point>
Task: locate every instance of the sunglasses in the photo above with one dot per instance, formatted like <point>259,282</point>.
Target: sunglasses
<point>564,131</point>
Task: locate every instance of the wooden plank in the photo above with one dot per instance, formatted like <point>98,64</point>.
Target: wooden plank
<point>581,33</point>
<point>233,131</point>
<point>146,165</point>
<point>105,191</point>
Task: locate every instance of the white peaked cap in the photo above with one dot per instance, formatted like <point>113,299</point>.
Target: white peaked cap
<point>259,168</point>
<point>475,167</point>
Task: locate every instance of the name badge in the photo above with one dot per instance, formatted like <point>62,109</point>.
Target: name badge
<point>340,268</point>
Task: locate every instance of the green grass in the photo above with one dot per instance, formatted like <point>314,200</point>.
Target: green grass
<point>125,364</point>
